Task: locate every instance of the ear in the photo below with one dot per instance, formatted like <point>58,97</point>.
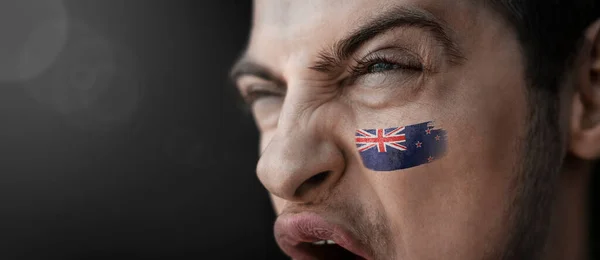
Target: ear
<point>585,113</point>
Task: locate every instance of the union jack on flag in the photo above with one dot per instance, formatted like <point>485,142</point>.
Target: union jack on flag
<point>381,138</point>
<point>390,149</point>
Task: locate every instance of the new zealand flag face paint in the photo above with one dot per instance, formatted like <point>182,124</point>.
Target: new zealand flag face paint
<point>390,149</point>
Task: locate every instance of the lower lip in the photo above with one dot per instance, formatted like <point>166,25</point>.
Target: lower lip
<point>308,228</point>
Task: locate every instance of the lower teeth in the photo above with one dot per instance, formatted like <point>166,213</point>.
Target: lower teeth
<point>323,242</point>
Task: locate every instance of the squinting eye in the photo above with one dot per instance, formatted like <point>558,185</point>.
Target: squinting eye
<point>256,92</point>
<point>382,67</point>
<point>254,95</point>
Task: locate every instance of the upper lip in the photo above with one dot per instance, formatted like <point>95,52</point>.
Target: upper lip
<point>294,231</point>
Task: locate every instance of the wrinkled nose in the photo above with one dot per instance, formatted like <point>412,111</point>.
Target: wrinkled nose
<point>301,163</point>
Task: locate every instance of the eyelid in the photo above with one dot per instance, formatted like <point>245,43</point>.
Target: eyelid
<point>391,48</point>
<point>253,92</point>
<point>250,82</point>
<point>273,88</point>
<point>408,57</point>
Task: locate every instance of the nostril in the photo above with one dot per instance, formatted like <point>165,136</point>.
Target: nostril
<point>317,179</point>
<point>312,183</point>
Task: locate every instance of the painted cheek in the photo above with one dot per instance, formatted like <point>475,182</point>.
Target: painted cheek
<point>397,148</point>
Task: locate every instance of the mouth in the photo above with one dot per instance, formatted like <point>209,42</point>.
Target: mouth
<point>309,236</point>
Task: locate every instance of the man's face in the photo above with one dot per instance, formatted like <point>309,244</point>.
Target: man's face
<point>316,71</point>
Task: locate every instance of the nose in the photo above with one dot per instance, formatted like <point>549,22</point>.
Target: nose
<point>302,162</point>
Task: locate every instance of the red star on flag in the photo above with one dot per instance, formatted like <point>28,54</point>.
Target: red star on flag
<point>437,137</point>
<point>428,131</point>
<point>418,144</point>
<point>430,159</point>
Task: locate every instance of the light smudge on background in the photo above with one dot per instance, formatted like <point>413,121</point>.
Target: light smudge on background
<point>94,84</point>
<point>33,32</point>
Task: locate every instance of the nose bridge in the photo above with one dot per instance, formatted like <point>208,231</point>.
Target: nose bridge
<point>297,110</point>
<point>300,160</point>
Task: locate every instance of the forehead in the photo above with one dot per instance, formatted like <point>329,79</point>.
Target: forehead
<point>289,27</point>
<point>288,12</point>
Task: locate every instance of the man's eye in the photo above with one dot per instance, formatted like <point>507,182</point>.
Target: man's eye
<point>381,64</point>
<point>382,67</point>
<point>254,95</point>
<point>264,102</point>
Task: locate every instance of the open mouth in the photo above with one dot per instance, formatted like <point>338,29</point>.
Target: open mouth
<point>326,249</point>
<point>309,236</point>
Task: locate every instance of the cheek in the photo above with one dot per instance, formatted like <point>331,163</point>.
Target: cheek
<point>460,201</point>
<point>265,138</point>
<point>278,204</point>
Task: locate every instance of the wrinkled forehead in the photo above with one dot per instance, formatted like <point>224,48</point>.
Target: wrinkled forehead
<point>284,25</point>
<point>290,12</point>
<point>291,27</point>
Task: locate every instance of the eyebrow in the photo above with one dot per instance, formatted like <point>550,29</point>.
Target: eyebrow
<point>246,66</point>
<point>331,58</point>
<point>397,17</point>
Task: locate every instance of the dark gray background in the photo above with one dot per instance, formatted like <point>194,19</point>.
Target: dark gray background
<point>169,177</point>
<point>173,180</point>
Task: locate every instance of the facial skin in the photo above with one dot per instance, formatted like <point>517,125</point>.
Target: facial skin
<point>507,181</point>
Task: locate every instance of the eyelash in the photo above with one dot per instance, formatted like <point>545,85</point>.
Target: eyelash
<point>361,67</point>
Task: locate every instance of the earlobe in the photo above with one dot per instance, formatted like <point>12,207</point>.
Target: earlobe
<point>585,110</point>
<point>585,134</point>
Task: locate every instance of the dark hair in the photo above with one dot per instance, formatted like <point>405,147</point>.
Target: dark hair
<point>550,32</point>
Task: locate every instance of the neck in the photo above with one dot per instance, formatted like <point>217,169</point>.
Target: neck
<point>568,236</point>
